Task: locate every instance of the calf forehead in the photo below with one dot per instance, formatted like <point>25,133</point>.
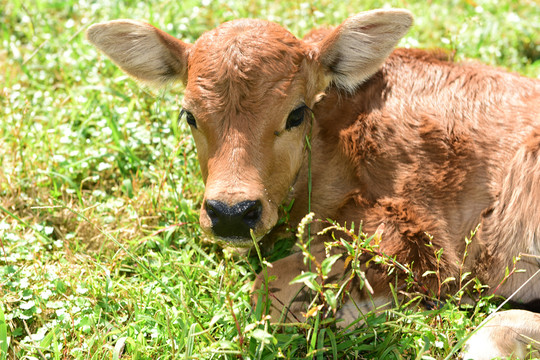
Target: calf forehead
<point>239,64</point>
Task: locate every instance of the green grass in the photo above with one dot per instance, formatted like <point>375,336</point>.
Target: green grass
<point>101,256</point>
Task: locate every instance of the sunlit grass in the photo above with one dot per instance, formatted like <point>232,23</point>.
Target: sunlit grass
<point>100,251</point>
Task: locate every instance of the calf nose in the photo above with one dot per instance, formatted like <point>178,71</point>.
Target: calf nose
<point>233,221</point>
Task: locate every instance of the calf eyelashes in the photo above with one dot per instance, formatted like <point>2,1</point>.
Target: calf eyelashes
<point>297,116</point>
<point>189,117</point>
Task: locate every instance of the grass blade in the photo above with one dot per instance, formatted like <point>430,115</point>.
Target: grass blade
<point>3,335</point>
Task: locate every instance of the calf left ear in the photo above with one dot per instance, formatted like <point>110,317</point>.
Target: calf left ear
<point>142,51</point>
<point>356,49</point>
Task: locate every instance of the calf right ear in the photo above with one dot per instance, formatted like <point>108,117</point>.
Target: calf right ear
<point>144,52</point>
<point>357,48</point>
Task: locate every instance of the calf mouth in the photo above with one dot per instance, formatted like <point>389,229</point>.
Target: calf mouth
<point>236,242</point>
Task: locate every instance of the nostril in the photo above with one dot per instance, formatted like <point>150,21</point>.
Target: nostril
<point>252,214</point>
<point>212,211</point>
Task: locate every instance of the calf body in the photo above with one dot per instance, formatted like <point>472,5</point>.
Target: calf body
<point>409,139</point>
<point>431,149</point>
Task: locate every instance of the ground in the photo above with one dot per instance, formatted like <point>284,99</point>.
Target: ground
<point>101,255</point>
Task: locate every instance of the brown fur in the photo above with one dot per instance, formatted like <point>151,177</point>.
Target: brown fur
<point>412,140</point>
<point>425,146</point>
<point>431,161</point>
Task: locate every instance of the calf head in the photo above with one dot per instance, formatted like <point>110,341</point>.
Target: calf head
<point>249,87</point>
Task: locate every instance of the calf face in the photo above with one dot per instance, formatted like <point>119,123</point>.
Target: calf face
<point>249,87</point>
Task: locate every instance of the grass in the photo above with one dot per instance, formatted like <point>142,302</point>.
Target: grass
<point>100,253</point>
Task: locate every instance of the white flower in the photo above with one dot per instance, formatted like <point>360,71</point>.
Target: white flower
<point>45,294</point>
<point>81,290</point>
<point>103,166</point>
<point>23,284</point>
<point>59,158</point>
<point>28,305</point>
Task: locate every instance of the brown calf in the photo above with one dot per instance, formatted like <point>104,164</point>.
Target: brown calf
<point>409,139</point>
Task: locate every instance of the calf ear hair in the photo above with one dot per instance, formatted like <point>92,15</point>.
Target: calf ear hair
<point>144,52</point>
<point>356,49</point>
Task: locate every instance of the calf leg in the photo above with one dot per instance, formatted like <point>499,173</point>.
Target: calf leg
<point>404,239</point>
<point>289,302</point>
<point>512,333</point>
<point>512,227</point>
<point>283,301</point>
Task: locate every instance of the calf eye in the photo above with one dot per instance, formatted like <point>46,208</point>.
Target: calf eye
<point>189,118</point>
<point>296,117</point>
